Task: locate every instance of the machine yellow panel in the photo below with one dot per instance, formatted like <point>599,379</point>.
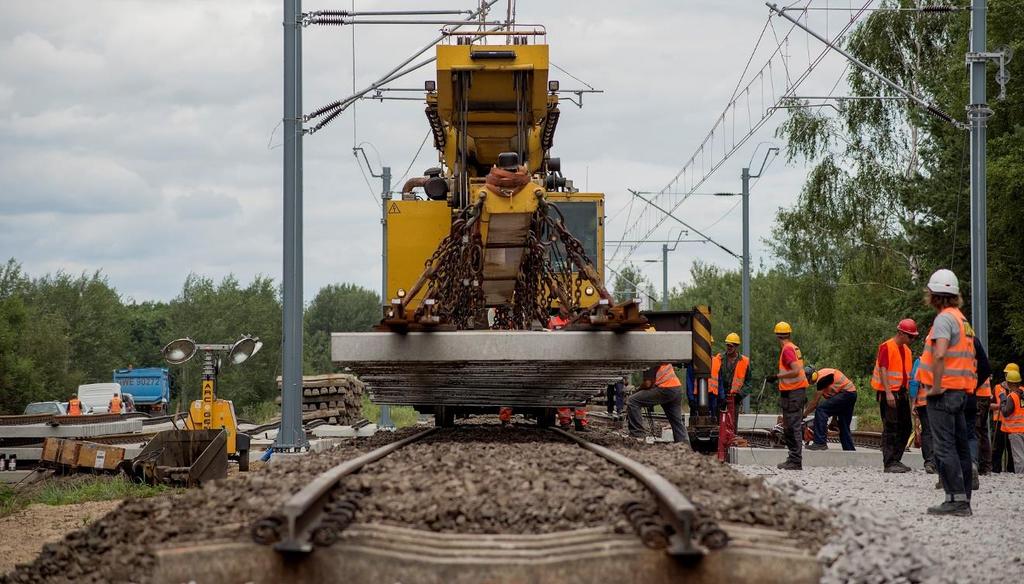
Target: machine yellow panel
<point>584,217</point>
<point>415,230</point>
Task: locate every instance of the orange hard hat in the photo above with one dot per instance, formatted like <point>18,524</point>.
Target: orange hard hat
<point>908,326</point>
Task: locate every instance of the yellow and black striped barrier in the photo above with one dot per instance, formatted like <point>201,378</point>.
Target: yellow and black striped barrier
<point>701,340</point>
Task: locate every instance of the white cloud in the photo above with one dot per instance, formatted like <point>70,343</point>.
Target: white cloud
<point>133,134</point>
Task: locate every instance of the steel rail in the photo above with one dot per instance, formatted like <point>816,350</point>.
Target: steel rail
<point>302,511</point>
<point>675,508</point>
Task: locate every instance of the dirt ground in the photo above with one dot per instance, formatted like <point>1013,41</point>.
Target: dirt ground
<point>23,534</point>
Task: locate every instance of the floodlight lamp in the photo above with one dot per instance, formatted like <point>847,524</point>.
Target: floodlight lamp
<point>589,290</point>
<point>244,348</point>
<point>401,292</point>
<point>553,86</point>
<point>179,351</point>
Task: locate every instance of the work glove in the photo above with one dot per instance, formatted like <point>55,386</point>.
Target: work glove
<point>772,378</point>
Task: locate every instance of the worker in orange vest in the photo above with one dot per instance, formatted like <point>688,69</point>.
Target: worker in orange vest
<point>114,407</point>
<point>567,417</point>
<point>74,405</point>
<point>837,396</point>
<point>793,384</point>
<point>1001,456</point>
<point>1012,408</point>
<point>891,380</point>
<point>948,369</point>
<point>730,378</point>
<point>660,386</point>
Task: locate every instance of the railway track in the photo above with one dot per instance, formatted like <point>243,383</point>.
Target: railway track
<point>317,514</point>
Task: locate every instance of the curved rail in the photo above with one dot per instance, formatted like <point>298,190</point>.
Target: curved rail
<point>675,508</point>
<point>295,526</point>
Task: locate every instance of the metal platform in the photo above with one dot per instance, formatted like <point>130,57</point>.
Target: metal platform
<point>499,368</point>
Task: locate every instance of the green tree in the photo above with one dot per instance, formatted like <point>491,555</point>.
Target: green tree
<point>887,199</point>
<point>630,283</point>
<point>336,308</point>
<point>222,313</point>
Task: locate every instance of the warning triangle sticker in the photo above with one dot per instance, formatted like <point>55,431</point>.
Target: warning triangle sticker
<point>393,209</point>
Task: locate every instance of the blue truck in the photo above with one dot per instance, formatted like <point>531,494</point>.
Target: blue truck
<point>149,387</point>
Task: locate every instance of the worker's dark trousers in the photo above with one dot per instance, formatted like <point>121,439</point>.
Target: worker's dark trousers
<point>841,406</point>
<point>792,404</point>
<point>927,452</point>
<point>981,431</point>
<point>670,400</point>
<point>614,397</point>
<point>896,426</point>
<point>1001,457</point>
<point>952,453</point>
<point>970,418</point>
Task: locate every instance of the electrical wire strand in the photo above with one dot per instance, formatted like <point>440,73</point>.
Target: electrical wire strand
<point>414,158</point>
<point>589,86</point>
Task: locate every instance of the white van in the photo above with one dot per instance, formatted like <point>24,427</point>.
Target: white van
<point>95,397</point>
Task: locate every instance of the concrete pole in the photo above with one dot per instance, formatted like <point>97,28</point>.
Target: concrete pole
<point>385,199</point>
<point>291,435</point>
<point>978,114</point>
<point>664,276</point>
<point>745,306</point>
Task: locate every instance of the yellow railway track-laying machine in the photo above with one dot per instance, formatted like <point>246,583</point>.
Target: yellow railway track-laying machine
<point>483,249</point>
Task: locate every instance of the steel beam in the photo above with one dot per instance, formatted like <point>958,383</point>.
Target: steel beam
<point>506,346</point>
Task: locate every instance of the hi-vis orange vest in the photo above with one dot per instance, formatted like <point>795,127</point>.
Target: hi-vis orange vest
<point>1014,423</point>
<point>985,389</point>
<point>961,365</point>
<point>1000,391</point>
<point>798,382</point>
<point>666,377</point>
<point>738,374</point>
<point>74,407</point>
<point>115,405</point>
<point>840,382</point>
<point>895,372</point>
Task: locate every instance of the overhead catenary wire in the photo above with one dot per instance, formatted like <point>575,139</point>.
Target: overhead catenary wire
<point>707,158</point>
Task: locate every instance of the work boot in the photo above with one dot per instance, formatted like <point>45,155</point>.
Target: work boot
<point>790,465</point>
<point>816,446</point>
<point>897,467</point>
<point>929,467</point>
<point>955,508</point>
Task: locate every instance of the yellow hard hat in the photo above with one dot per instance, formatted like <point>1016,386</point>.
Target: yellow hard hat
<point>732,339</point>
<point>783,328</point>
<point>1011,367</point>
<point>1013,376</point>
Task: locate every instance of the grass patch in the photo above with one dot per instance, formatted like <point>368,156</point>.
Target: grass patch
<point>402,416</point>
<point>71,490</point>
<point>260,412</point>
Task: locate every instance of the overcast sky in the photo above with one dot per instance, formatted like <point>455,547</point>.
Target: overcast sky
<point>136,137</point>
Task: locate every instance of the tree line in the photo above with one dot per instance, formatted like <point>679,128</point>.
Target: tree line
<point>886,202</point>
<point>58,331</point>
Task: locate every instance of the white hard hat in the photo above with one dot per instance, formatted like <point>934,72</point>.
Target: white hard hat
<point>944,282</point>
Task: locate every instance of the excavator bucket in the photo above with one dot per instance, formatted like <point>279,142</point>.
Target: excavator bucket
<point>500,368</point>
<point>186,458</point>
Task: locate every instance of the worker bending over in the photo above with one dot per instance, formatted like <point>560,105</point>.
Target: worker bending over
<point>792,395</point>
<point>1001,456</point>
<point>891,380</point>
<point>730,378</point>
<point>836,396</point>
<point>1012,408</point>
<point>947,372</point>
<point>661,387</point>
<point>567,417</point>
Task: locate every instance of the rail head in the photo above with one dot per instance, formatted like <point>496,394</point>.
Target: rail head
<point>299,516</point>
<point>675,508</point>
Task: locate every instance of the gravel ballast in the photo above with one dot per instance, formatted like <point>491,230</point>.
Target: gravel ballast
<point>884,534</point>
<point>482,479</point>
